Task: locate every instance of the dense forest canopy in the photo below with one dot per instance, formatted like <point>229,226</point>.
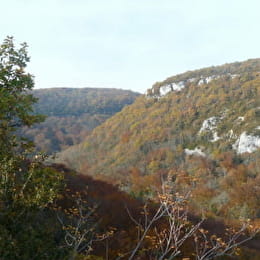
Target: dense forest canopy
<point>77,101</point>
<point>208,131</point>
<point>72,114</point>
<point>48,211</point>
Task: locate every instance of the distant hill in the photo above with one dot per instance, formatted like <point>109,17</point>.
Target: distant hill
<point>201,127</point>
<point>72,113</point>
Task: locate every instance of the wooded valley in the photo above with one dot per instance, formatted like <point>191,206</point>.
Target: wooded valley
<point>172,174</point>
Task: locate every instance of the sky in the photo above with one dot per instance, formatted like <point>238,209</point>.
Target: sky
<point>129,44</point>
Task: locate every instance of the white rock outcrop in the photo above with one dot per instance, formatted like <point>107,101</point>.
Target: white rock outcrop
<point>209,124</point>
<point>164,90</point>
<point>246,143</point>
<point>197,151</point>
<point>215,137</point>
<point>179,85</point>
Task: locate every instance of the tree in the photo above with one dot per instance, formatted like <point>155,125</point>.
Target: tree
<point>79,225</point>
<point>169,228</point>
<point>15,100</point>
<point>26,185</point>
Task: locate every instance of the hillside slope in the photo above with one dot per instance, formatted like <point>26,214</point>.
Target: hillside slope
<point>72,114</point>
<point>202,127</point>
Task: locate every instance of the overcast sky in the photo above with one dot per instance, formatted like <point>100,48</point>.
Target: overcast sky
<point>129,44</point>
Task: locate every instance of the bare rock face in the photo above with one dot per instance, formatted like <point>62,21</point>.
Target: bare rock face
<point>246,143</point>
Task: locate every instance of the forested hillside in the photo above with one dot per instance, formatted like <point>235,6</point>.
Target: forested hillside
<point>72,114</point>
<point>201,127</point>
<point>48,211</point>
